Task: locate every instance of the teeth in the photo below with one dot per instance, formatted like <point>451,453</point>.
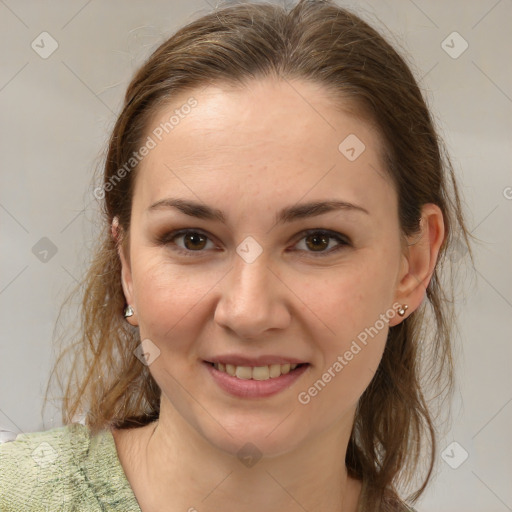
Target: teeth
<point>243,372</point>
<point>257,372</point>
<point>275,370</point>
<point>260,373</point>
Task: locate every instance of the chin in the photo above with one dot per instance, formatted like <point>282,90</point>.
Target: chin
<point>265,437</point>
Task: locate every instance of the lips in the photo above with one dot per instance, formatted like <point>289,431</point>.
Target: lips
<point>254,381</point>
<point>263,367</point>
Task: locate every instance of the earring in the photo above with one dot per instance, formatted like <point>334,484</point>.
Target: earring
<point>128,311</point>
<point>403,309</point>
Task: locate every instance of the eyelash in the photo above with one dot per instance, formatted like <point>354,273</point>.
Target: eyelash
<point>167,240</point>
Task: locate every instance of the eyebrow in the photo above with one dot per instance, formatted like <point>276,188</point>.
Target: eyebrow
<point>287,214</point>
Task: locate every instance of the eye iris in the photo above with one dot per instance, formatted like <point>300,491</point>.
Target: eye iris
<point>321,239</point>
<point>195,238</point>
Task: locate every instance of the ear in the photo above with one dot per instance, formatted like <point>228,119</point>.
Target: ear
<point>126,274</point>
<point>419,260</point>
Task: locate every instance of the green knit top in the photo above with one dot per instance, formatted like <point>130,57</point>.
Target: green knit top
<point>66,469</point>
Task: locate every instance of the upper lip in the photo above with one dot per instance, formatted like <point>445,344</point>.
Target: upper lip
<point>263,360</point>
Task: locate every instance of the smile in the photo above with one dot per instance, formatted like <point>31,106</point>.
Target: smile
<point>254,381</point>
<point>267,372</point>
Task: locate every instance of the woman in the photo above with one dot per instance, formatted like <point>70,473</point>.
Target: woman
<point>277,208</point>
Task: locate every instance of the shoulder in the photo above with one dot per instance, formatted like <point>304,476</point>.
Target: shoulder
<point>39,468</point>
<point>60,469</point>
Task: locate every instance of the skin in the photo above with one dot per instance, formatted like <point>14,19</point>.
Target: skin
<point>250,152</point>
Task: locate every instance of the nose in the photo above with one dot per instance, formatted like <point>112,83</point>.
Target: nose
<point>253,299</point>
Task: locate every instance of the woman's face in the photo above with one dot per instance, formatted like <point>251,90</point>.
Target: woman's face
<point>262,286</point>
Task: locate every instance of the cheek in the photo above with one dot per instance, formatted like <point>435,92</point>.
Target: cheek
<point>168,298</point>
<point>352,297</point>
<point>350,353</point>
<point>355,303</point>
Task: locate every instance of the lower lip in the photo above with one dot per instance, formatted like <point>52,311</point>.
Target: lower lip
<point>249,388</point>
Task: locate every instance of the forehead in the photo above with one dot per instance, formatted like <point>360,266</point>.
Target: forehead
<point>268,138</point>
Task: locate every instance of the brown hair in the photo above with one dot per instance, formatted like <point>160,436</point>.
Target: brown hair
<point>319,42</point>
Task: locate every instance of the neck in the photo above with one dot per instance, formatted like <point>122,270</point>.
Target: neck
<point>178,469</point>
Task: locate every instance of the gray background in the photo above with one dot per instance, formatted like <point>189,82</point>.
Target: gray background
<point>56,117</point>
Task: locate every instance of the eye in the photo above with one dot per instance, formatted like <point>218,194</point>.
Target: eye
<point>192,240</point>
<point>315,241</point>
<point>319,240</point>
